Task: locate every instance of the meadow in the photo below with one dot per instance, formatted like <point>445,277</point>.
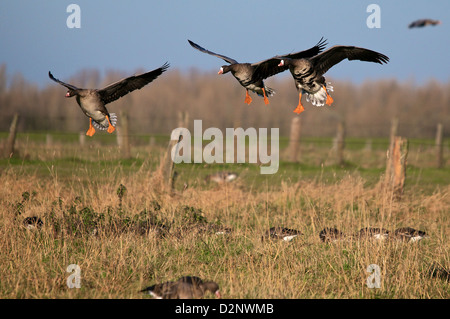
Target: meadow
<point>118,221</point>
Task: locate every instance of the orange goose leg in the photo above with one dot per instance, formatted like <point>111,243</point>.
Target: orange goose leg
<point>248,99</point>
<point>266,100</point>
<point>110,127</point>
<point>329,100</point>
<point>300,107</point>
<point>91,130</point>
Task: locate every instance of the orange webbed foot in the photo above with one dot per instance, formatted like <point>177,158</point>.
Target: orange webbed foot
<point>329,100</point>
<point>299,109</point>
<point>110,127</point>
<point>248,99</point>
<point>91,130</point>
<point>266,100</point>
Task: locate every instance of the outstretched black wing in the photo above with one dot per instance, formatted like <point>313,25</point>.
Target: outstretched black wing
<point>120,88</point>
<point>325,60</point>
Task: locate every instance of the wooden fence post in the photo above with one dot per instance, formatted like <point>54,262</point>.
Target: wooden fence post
<point>368,145</point>
<point>10,142</point>
<point>394,128</point>
<point>439,146</point>
<point>294,139</point>
<point>168,165</point>
<point>152,141</point>
<point>396,166</point>
<point>48,140</point>
<point>82,138</point>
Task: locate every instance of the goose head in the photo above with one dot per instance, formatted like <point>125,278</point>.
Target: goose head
<point>212,287</point>
<point>70,93</point>
<point>224,69</point>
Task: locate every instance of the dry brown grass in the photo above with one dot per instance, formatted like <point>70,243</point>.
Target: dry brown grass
<point>117,264</point>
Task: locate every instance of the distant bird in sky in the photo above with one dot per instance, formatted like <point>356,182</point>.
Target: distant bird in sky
<point>93,101</point>
<point>251,75</point>
<point>423,23</point>
<point>308,72</point>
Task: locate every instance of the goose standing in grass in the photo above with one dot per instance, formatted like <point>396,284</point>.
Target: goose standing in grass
<point>33,222</point>
<point>187,287</point>
<point>438,271</point>
<point>330,234</point>
<point>283,233</point>
<point>308,71</point>
<point>221,177</point>
<point>409,234</point>
<point>251,75</point>
<point>423,23</point>
<point>375,233</point>
<point>93,101</point>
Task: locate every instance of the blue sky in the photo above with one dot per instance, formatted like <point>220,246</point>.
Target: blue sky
<point>130,35</point>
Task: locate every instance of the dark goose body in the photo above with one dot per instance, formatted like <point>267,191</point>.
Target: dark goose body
<point>282,233</point>
<point>375,233</point>
<point>187,287</point>
<point>409,234</point>
<point>330,234</point>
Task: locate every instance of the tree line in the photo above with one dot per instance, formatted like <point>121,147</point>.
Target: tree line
<point>367,108</point>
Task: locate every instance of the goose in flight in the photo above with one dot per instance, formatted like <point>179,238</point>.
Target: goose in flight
<point>308,72</point>
<point>251,75</point>
<point>92,101</point>
<point>423,23</point>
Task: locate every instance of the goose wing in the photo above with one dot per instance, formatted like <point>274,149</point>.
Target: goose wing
<point>325,60</point>
<point>69,86</point>
<point>120,88</point>
<point>223,57</point>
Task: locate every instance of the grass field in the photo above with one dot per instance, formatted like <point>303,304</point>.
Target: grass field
<point>124,241</point>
